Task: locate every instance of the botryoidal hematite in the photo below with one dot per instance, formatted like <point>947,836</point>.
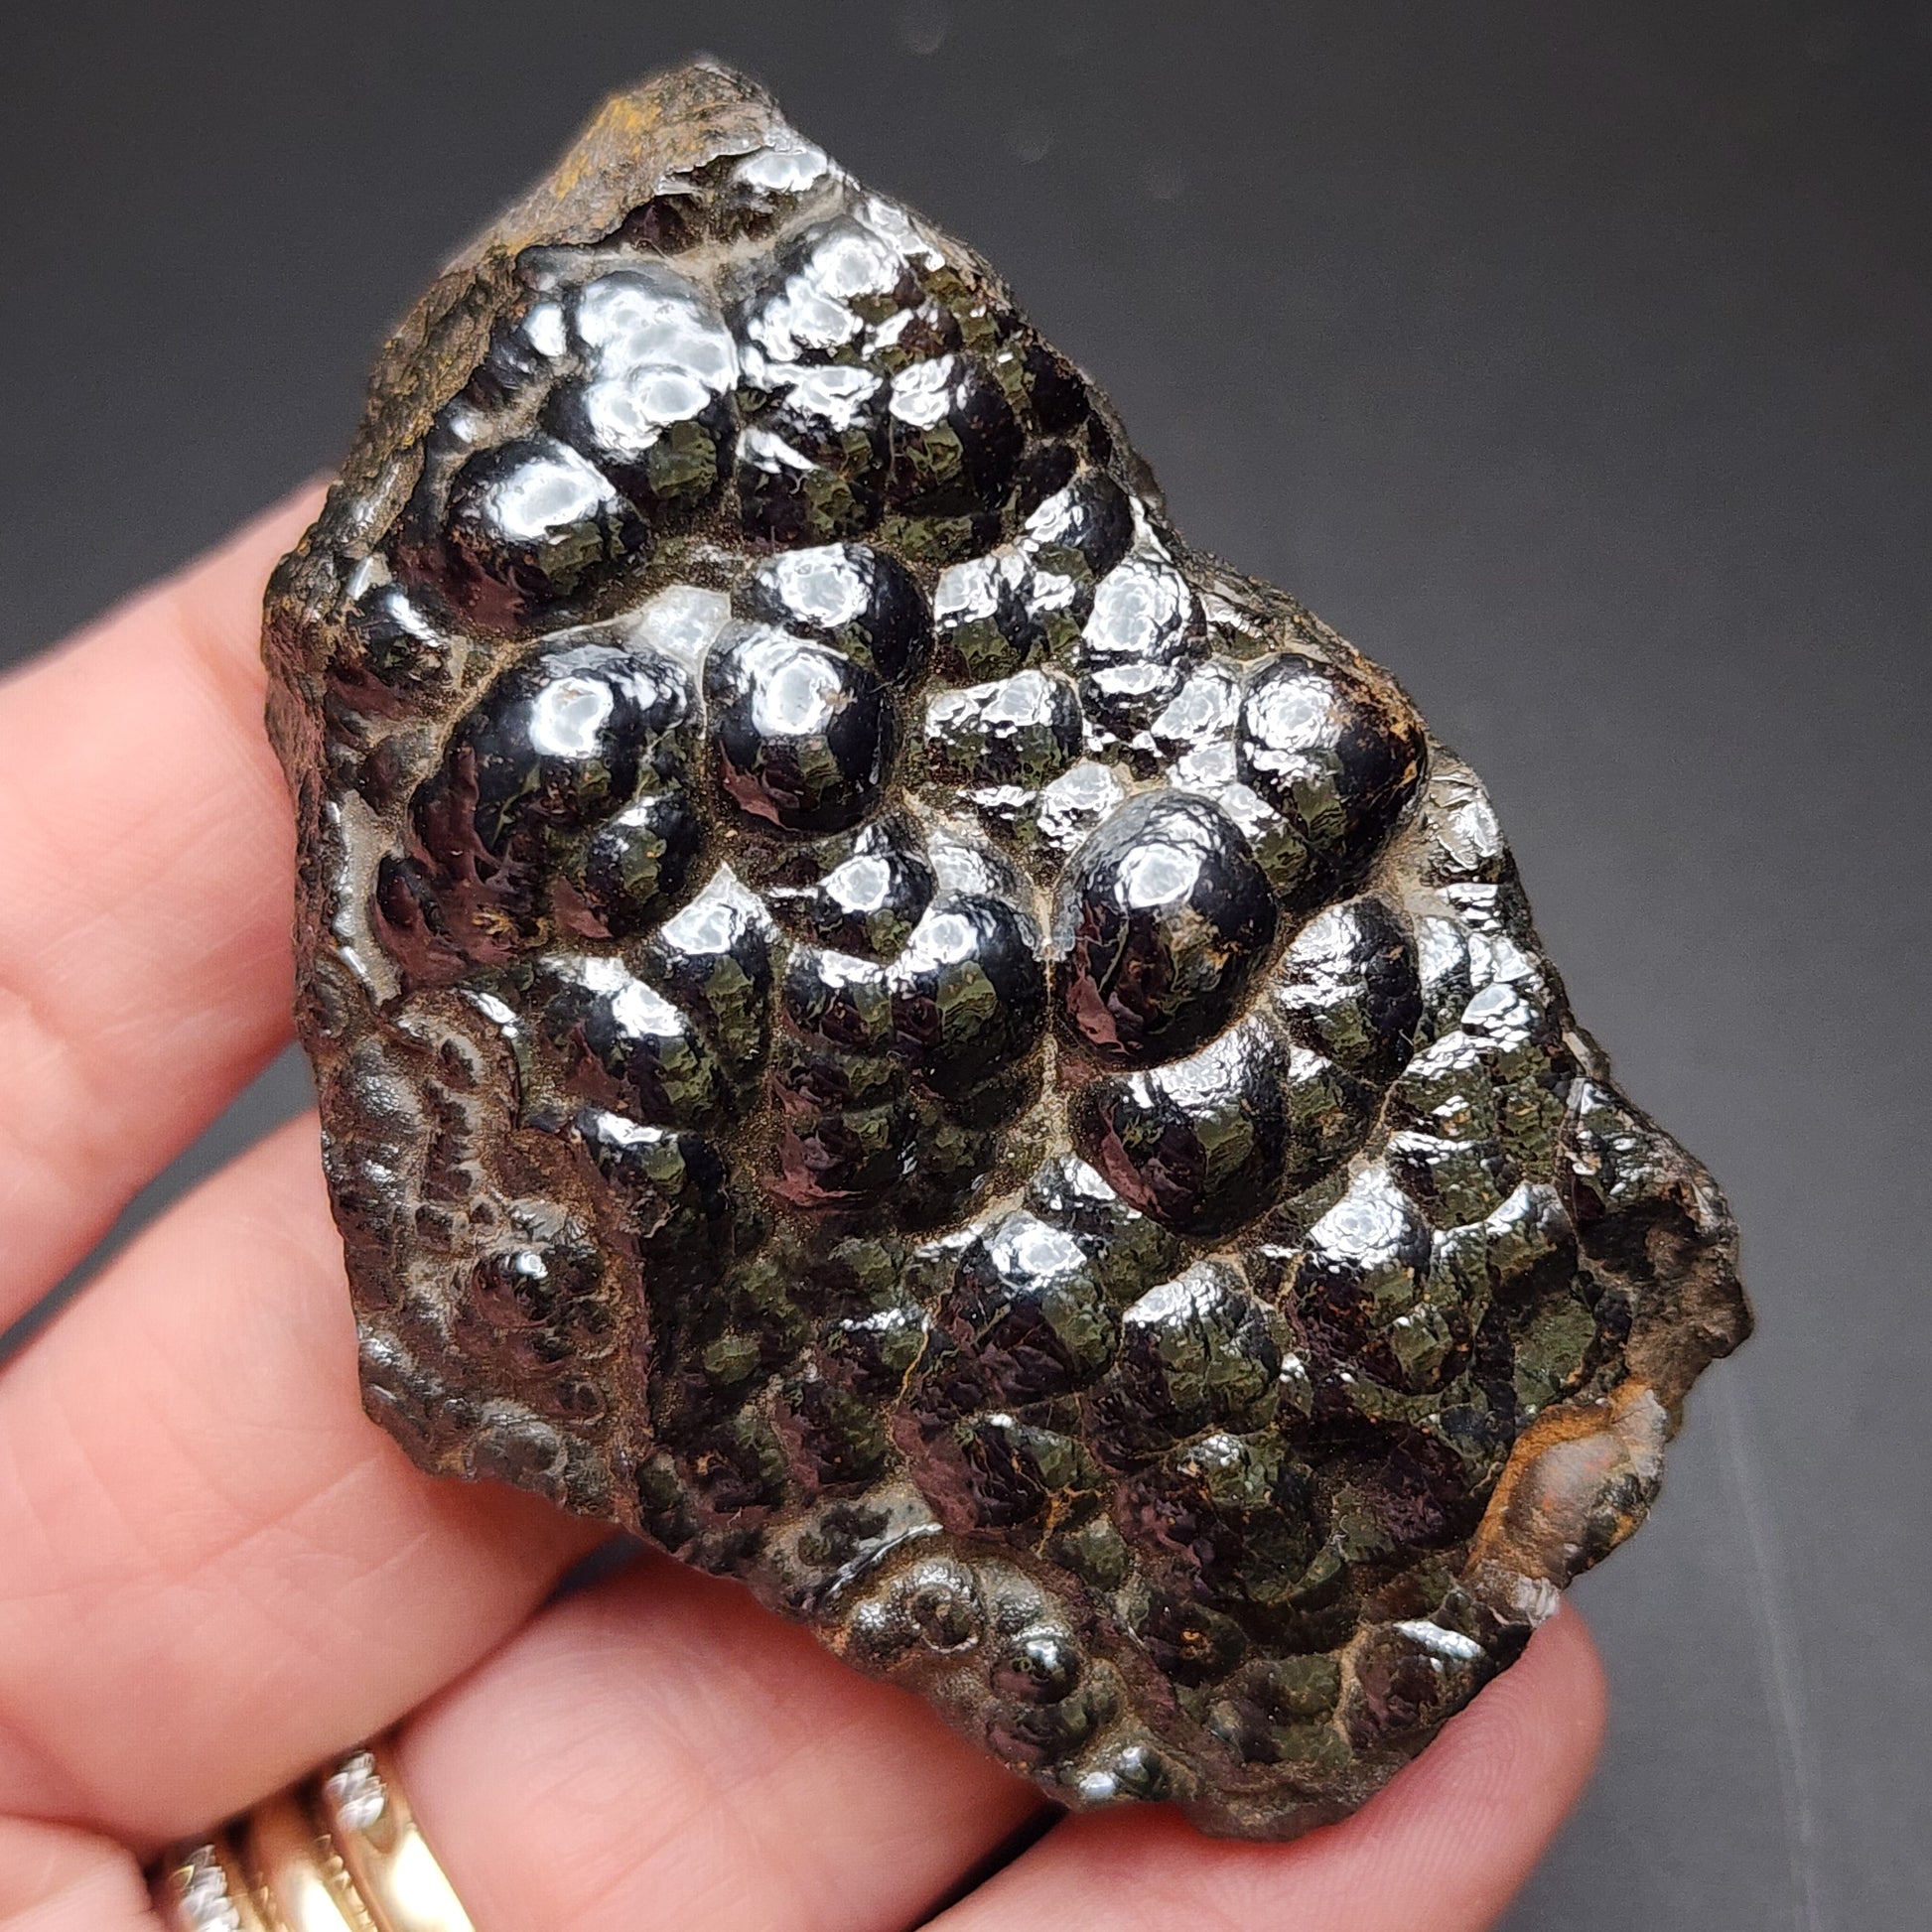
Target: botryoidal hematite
<point>889,1025</point>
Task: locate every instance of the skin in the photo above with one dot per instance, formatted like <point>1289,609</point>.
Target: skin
<point>216,1570</point>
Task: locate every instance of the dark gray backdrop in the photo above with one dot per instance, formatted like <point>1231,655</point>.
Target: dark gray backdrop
<point>1572,360</point>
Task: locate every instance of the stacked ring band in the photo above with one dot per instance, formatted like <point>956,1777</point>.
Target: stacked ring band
<point>340,1852</point>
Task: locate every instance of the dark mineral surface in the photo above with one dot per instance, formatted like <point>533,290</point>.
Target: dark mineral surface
<point>889,1025</point>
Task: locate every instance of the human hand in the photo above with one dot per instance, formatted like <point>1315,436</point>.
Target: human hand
<point>215,1572</point>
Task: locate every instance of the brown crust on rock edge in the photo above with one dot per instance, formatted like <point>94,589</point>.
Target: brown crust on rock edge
<point>887,1025</point>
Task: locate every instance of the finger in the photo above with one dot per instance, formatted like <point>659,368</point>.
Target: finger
<point>1443,1850</point>
<point>145,867</point>
<point>54,1880</point>
<point>216,1569</point>
<point>660,1752</point>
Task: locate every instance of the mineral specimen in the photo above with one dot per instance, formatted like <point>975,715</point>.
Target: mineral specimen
<point>886,1024</point>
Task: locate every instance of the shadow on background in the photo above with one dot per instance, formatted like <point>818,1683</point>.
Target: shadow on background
<point>1573,360</point>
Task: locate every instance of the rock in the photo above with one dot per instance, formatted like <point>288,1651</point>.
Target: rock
<point>889,1025</point>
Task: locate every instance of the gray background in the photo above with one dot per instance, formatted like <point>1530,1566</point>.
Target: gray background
<point>1572,360</point>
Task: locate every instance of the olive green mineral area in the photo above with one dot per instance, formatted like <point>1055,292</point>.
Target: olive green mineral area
<point>890,1027</point>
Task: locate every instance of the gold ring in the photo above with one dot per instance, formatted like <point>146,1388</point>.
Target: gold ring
<point>340,1852</point>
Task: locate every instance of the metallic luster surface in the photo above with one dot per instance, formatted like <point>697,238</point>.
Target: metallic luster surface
<point>890,1026</point>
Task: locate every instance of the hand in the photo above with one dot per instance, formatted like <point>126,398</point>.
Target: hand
<point>215,1571</point>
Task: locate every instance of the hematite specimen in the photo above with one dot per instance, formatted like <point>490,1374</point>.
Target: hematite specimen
<point>887,1025</point>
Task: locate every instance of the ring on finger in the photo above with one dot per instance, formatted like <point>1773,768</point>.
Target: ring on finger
<point>340,1852</point>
